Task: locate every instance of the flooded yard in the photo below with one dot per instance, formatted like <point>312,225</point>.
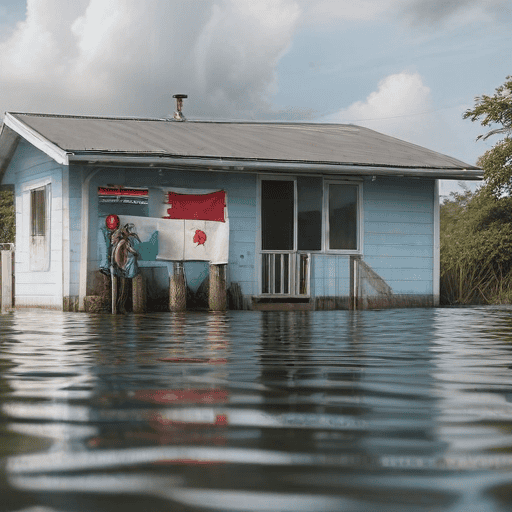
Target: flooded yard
<point>391,410</point>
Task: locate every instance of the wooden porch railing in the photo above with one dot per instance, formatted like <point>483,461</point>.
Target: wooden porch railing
<point>286,273</point>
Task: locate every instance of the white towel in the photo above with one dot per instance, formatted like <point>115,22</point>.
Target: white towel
<point>176,238</point>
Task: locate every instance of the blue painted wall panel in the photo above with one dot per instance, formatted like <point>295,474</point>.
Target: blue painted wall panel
<point>397,223</point>
<point>396,239</point>
<point>397,263</point>
<point>31,168</point>
<point>400,217</point>
<point>241,202</point>
<point>405,250</point>
<point>330,275</point>
<point>397,228</point>
<point>411,287</point>
<point>398,232</point>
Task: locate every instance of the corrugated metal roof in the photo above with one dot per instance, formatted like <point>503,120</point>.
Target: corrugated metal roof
<point>274,142</point>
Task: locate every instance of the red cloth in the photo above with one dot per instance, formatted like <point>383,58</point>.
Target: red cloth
<point>197,207</point>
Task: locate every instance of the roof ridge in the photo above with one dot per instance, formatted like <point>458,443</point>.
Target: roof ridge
<point>195,121</point>
<point>86,116</point>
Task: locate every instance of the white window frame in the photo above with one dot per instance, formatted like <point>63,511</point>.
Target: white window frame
<point>325,230</point>
<point>263,177</point>
<point>39,253</point>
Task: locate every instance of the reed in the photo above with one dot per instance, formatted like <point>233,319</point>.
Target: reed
<point>476,249</point>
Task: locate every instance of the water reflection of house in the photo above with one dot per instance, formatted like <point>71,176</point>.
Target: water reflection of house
<point>309,216</point>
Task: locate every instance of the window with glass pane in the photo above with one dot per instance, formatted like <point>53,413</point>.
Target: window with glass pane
<point>277,222</point>
<point>309,215</point>
<point>343,216</point>
<point>38,211</point>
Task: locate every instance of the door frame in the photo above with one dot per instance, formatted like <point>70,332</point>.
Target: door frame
<point>259,251</point>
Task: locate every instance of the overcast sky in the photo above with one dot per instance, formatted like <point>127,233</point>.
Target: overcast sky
<point>407,68</point>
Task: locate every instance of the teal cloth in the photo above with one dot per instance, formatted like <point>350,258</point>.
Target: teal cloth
<point>147,250</point>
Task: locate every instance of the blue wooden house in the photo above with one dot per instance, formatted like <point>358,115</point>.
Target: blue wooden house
<point>311,216</point>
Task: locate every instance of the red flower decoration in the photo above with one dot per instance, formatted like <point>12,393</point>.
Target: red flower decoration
<point>200,237</point>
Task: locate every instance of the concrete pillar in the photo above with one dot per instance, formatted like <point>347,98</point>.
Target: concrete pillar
<point>7,280</point>
<point>139,294</point>
<point>177,288</point>
<point>217,300</point>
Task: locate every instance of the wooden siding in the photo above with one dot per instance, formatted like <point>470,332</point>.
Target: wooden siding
<point>31,168</point>
<point>330,275</point>
<point>397,227</point>
<point>75,219</point>
<point>399,231</point>
<point>241,195</point>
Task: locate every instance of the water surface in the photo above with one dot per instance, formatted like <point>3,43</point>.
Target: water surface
<point>392,410</point>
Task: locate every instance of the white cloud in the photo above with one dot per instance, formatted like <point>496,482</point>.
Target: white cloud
<point>402,107</point>
<point>241,45</point>
<point>324,12</point>
<point>129,57</point>
<point>458,12</point>
<point>394,108</point>
<point>432,13</point>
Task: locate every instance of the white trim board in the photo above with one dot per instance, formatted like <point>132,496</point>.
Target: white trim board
<point>36,139</point>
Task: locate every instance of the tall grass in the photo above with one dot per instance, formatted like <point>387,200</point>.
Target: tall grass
<point>476,249</point>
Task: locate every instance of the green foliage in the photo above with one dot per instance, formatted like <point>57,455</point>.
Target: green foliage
<point>476,228</point>
<point>497,166</point>
<point>7,216</point>
<point>476,248</point>
<point>497,162</point>
<point>496,109</point>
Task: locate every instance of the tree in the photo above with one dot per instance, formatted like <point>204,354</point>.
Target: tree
<point>497,162</point>
<point>7,216</point>
<point>476,248</point>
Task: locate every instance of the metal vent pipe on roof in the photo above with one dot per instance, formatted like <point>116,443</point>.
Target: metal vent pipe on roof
<point>178,115</point>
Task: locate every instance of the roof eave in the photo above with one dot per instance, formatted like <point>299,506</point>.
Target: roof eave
<point>36,139</point>
<point>8,143</point>
<point>274,166</point>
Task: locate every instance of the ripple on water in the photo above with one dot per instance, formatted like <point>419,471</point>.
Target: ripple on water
<point>335,410</point>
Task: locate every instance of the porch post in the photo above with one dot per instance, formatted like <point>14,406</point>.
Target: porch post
<point>114,293</point>
<point>354,283</point>
<point>84,245</point>
<point>217,295</point>
<point>139,294</point>
<point>7,281</point>
<point>177,288</point>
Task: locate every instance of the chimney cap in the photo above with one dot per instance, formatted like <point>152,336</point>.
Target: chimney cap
<point>178,115</point>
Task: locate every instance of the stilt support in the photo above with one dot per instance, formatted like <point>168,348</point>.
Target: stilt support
<point>217,300</point>
<point>6,290</point>
<point>139,294</point>
<point>178,288</point>
<point>114,294</point>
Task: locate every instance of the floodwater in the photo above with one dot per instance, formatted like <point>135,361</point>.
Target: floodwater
<point>392,410</point>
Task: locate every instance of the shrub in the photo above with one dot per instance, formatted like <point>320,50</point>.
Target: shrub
<point>476,248</point>
<point>7,216</point>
